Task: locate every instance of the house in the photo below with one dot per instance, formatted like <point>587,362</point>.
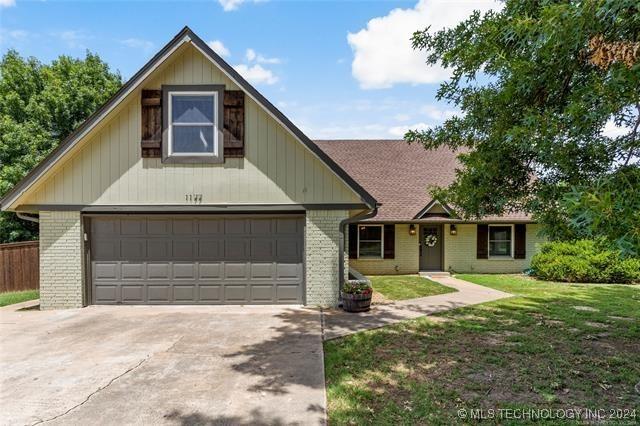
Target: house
<point>189,187</point>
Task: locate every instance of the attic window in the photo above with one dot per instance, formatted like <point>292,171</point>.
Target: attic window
<point>192,124</point>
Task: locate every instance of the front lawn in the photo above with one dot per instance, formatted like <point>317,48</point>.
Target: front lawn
<point>552,346</point>
<point>12,297</point>
<point>400,287</point>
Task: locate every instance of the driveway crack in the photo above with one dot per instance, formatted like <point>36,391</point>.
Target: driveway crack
<point>100,389</point>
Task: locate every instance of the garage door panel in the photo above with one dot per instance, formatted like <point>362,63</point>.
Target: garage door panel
<point>184,271</point>
<point>235,293</point>
<point>132,293</point>
<point>236,249</point>
<point>184,293</point>
<point>210,293</point>
<point>211,271</point>
<point>159,249</point>
<point>106,271</point>
<point>133,226</point>
<point>132,271</point>
<point>197,260</point>
<point>106,250</point>
<point>262,293</point>
<point>159,293</point>
<point>210,249</point>
<point>236,271</point>
<point>184,249</point>
<point>133,248</point>
<point>262,249</point>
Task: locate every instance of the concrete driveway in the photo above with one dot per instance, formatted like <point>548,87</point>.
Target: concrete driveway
<point>162,365</point>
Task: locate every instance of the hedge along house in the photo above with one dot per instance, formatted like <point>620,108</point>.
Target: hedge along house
<point>411,232</point>
<point>189,187</point>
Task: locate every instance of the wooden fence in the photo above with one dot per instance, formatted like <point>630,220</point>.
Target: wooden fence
<point>19,266</point>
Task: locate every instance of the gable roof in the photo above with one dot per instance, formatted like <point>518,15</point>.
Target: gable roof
<point>186,35</point>
<point>398,175</point>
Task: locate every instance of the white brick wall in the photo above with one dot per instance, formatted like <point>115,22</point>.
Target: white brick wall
<point>61,264</point>
<point>322,238</point>
<point>460,252</point>
<point>406,259</point>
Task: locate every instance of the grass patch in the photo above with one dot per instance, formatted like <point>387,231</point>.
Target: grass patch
<point>552,346</point>
<point>13,297</point>
<point>401,287</point>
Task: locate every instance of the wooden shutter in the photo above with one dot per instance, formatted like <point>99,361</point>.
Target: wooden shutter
<point>151,120</point>
<point>353,241</point>
<point>389,241</point>
<point>520,241</point>
<point>233,124</point>
<point>482,246</point>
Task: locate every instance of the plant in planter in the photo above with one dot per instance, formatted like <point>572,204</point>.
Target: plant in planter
<point>356,295</point>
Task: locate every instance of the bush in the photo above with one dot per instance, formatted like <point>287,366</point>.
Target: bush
<point>584,261</point>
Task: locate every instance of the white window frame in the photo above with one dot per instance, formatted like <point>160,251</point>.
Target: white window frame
<point>381,242</point>
<point>216,146</point>
<point>500,257</point>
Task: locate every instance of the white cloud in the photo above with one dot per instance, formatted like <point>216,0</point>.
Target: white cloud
<point>73,38</point>
<point>402,117</point>
<point>611,130</point>
<point>256,74</point>
<point>439,114</point>
<point>13,35</point>
<point>340,131</point>
<point>399,131</point>
<point>251,56</point>
<point>219,48</point>
<point>7,3</point>
<point>137,43</point>
<point>230,5</point>
<point>383,55</point>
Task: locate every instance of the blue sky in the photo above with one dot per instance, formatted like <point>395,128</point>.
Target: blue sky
<point>338,69</point>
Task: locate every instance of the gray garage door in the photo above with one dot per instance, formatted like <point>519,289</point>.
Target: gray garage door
<point>196,260</point>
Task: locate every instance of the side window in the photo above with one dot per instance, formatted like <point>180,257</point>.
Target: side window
<point>500,240</point>
<point>370,241</point>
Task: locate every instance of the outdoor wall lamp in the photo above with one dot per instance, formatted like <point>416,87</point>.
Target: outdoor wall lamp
<point>412,229</point>
<point>453,230</point>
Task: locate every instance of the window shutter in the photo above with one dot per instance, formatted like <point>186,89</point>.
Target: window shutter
<point>353,241</point>
<point>482,246</point>
<point>389,241</point>
<point>233,124</point>
<point>151,124</point>
<point>520,242</point>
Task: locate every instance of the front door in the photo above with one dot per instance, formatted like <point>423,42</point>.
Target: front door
<point>431,248</point>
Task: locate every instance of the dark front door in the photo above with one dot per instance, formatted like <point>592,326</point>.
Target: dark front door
<point>431,248</point>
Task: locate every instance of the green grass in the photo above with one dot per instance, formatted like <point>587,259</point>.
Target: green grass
<point>552,346</point>
<point>401,287</point>
<point>18,296</point>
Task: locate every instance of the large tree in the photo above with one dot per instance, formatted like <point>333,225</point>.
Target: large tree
<point>40,104</point>
<point>538,83</point>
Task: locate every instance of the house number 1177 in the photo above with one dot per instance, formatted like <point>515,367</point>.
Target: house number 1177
<point>193,198</point>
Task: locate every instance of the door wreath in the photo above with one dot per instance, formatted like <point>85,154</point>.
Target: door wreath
<point>431,240</point>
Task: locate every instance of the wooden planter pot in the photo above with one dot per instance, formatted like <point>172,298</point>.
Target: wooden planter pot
<point>356,302</point>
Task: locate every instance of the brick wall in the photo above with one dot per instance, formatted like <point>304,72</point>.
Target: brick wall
<point>61,265</point>
<point>406,260</point>
<point>460,252</point>
<point>322,237</point>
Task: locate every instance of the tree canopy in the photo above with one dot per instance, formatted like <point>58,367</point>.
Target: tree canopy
<point>40,104</point>
<point>538,84</point>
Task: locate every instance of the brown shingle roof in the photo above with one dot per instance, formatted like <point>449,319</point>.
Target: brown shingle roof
<point>398,174</point>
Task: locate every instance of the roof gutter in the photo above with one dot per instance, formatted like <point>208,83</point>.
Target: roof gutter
<point>29,218</point>
<point>343,225</point>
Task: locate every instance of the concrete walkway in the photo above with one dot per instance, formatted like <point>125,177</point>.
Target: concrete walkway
<point>337,323</point>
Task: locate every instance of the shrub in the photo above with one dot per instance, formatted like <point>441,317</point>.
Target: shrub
<point>584,261</point>
<point>357,287</point>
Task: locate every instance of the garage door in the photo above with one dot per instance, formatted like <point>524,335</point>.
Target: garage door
<point>196,260</point>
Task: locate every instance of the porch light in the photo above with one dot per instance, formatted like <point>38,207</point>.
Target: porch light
<point>453,230</point>
<point>412,229</point>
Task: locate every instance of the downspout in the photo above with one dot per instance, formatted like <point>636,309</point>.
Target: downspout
<point>29,218</point>
<point>343,225</point>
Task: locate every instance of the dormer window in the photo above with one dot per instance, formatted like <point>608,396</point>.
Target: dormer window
<point>192,124</point>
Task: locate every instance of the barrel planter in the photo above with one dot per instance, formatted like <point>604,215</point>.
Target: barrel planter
<point>356,302</point>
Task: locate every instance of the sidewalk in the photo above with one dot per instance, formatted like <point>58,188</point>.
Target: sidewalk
<point>337,323</point>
